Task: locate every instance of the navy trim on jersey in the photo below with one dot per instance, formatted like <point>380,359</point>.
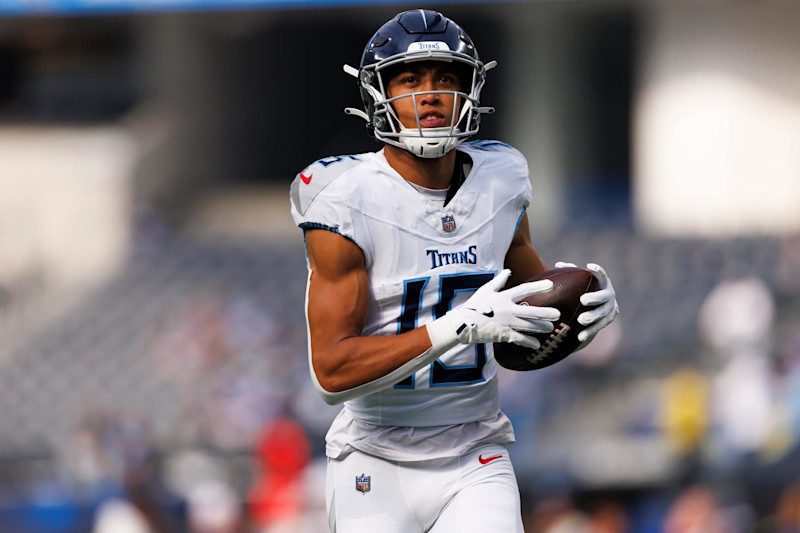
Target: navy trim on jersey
<point>518,222</point>
<point>328,161</point>
<point>316,225</point>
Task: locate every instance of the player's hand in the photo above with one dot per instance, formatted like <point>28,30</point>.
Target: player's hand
<point>603,302</point>
<point>491,315</point>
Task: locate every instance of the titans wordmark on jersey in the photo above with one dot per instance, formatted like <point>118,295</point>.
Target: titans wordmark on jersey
<point>422,259</point>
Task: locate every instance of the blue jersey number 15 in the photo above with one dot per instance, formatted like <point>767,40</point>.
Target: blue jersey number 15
<point>449,287</point>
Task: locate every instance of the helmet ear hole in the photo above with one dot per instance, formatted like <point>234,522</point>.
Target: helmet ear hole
<point>369,102</point>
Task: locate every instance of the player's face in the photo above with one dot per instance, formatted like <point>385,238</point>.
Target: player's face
<point>435,110</point>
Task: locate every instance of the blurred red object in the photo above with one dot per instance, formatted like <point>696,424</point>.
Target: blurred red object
<point>282,454</point>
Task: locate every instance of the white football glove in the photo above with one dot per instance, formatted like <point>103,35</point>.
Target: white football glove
<point>603,302</point>
<point>491,315</point>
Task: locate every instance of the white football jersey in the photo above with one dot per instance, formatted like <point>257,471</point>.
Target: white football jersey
<point>422,259</point>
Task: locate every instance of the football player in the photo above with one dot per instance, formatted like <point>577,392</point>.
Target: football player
<point>410,250</point>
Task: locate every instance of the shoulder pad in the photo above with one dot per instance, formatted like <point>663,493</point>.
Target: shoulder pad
<point>318,175</point>
<point>490,146</point>
<point>494,147</point>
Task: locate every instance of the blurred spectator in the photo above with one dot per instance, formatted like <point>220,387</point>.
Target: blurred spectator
<point>188,468</point>
<point>120,516</point>
<point>788,509</point>
<point>736,321</point>
<point>278,497</point>
<point>685,414</point>
<point>214,507</point>
<point>608,517</point>
<point>685,409</point>
<point>695,510</point>
<point>105,449</point>
<point>744,407</point>
<point>737,316</point>
<point>556,513</point>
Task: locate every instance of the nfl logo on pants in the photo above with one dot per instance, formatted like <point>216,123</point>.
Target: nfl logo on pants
<point>363,483</point>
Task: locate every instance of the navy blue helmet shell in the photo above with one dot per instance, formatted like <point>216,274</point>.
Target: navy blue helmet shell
<point>419,25</point>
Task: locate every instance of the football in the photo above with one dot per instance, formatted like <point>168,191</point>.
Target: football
<point>569,284</point>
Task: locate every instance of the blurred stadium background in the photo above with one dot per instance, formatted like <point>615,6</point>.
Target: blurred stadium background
<point>153,373</point>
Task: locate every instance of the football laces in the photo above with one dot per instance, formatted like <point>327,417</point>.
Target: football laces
<point>555,338</point>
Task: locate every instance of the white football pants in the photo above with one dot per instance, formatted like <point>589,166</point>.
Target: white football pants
<point>476,493</point>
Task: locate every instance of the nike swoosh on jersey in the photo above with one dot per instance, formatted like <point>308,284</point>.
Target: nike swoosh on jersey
<point>488,460</point>
<point>306,179</point>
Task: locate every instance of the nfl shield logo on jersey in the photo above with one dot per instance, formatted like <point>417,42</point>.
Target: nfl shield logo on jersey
<point>363,483</point>
<point>448,223</point>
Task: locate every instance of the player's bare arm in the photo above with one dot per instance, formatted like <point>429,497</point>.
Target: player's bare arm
<point>338,299</point>
<point>522,258</point>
